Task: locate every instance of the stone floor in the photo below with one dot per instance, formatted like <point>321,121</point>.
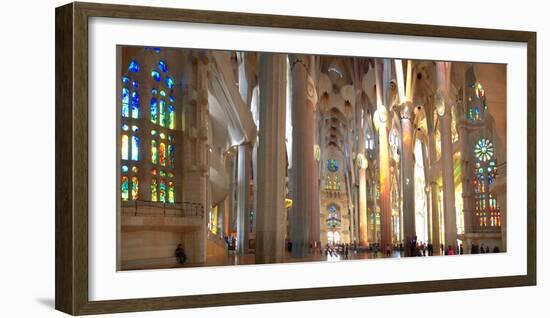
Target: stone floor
<point>248,259</point>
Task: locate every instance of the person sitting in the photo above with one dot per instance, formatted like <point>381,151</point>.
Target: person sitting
<point>180,254</point>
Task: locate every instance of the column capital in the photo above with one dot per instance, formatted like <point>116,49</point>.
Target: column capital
<point>406,111</point>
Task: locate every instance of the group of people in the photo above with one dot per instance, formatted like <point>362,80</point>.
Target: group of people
<point>345,249</point>
<point>231,242</point>
<point>477,249</point>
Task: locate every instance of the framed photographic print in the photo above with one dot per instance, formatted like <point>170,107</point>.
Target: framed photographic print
<point>219,158</point>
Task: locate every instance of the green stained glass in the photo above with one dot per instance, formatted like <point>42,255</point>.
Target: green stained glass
<point>154,195</point>
<point>154,152</point>
<point>171,196</point>
<point>162,116</point>
<point>124,188</point>
<point>162,191</point>
<point>332,165</point>
<point>171,117</point>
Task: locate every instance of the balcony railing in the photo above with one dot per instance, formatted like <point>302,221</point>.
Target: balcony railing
<point>149,208</point>
<point>483,229</point>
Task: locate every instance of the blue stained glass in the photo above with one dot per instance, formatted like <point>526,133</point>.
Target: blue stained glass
<point>134,66</point>
<point>124,168</point>
<point>125,80</point>
<point>125,102</point>
<point>154,109</point>
<point>135,84</point>
<point>172,99</point>
<point>162,66</point>
<point>135,104</point>
<point>156,49</point>
<point>169,82</point>
<point>162,105</point>
<point>154,91</point>
<point>135,148</point>
<point>155,75</point>
<point>125,127</point>
<point>162,93</point>
<point>172,156</point>
<point>332,165</point>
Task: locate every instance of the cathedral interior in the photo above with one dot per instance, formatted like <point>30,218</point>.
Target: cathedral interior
<point>254,158</point>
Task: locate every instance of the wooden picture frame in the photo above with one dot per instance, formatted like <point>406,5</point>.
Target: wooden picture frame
<point>72,280</point>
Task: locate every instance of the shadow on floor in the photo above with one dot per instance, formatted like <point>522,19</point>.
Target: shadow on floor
<point>47,302</point>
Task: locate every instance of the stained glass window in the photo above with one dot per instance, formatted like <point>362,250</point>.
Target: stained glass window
<point>485,171</point>
<point>333,219</point>
<point>171,198</point>
<point>155,75</point>
<point>484,149</point>
<point>135,148</point>
<point>135,104</point>
<point>124,188</point>
<point>476,105</point>
<point>135,188</point>
<point>125,102</point>
<point>134,66</point>
<point>154,196</point>
<point>171,156</point>
<point>162,66</point>
<point>162,191</point>
<point>162,154</point>
<point>154,152</point>
<point>332,165</point>
<point>169,82</point>
<point>162,113</point>
<point>171,117</point>
<point>124,147</point>
<point>154,109</point>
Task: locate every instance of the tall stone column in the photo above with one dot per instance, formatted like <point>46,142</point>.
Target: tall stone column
<point>429,212</point>
<point>243,204</point>
<point>270,204</point>
<point>361,165</point>
<point>436,240</point>
<point>443,108</point>
<point>196,152</point>
<point>407,177</point>
<point>363,216</point>
<point>315,226</point>
<point>382,122</point>
<point>302,156</point>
